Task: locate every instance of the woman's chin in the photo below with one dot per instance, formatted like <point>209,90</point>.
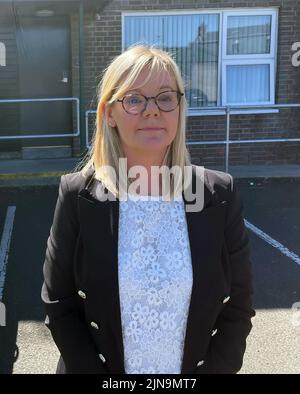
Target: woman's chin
<point>156,142</point>
<point>153,146</point>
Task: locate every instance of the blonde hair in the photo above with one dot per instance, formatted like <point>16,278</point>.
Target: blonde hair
<point>118,78</point>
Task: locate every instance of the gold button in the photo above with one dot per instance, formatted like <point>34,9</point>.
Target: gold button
<point>214,332</point>
<point>95,325</point>
<point>102,358</point>
<point>82,294</point>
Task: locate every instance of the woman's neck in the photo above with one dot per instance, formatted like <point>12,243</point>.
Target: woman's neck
<point>147,172</point>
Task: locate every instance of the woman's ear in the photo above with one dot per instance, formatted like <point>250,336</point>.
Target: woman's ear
<point>108,116</point>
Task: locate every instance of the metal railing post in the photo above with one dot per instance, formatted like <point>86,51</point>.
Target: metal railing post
<point>227,137</point>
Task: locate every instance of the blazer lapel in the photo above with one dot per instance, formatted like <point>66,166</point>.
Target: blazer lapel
<point>100,225</point>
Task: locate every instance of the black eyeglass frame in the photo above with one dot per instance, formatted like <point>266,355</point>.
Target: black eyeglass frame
<point>179,95</point>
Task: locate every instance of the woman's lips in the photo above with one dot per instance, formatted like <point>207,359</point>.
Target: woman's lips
<point>151,128</point>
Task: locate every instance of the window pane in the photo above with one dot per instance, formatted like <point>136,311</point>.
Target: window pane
<point>248,83</point>
<point>144,30</point>
<point>194,42</point>
<point>248,35</point>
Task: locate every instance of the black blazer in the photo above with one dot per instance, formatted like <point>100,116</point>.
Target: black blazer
<point>81,295</point>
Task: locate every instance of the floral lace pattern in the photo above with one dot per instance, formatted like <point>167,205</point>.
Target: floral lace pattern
<point>155,283</point>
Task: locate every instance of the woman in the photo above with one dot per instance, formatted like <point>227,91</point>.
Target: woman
<point>146,285</point>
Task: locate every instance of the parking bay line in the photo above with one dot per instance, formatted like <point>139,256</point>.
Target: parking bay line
<point>273,242</point>
<point>5,243</point>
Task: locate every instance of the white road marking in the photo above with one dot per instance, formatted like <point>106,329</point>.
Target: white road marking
<point>273,242</point>
<point>4,246</point>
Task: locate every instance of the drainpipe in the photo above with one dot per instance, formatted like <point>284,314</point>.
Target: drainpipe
<point>81,79</point>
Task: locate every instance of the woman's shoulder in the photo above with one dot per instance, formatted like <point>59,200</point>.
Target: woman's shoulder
<point>77,180</point>
<point>214,179</point>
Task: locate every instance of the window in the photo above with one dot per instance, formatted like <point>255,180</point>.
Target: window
<point>248,58</point>
<point>225,57</point>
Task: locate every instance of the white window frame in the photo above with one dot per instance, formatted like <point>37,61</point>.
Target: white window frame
<point>268,59</point>
<point>226,63</point>
<point>257,12</point>
<point>229,59</point>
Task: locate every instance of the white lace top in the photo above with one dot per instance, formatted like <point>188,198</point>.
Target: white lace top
<point>155,283</point>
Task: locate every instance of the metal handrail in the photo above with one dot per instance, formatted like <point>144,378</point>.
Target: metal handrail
<point>87,126</point>
<point>227,109</point>
<point>76,134</point>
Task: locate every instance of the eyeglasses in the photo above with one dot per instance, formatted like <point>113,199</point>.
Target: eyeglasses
<point>135,103</point>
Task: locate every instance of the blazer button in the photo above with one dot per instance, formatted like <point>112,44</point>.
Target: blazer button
<point>226,299</point>
<point>95,325</point>
<point>82,294</point>
<point>199,363</point>
<point>102,358</point>
<point>214,332</point>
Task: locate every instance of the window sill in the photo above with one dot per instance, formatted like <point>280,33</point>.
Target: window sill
<point>233,112</point>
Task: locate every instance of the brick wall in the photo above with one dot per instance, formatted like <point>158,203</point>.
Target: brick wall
<point>103,42</point>
<point>75,74</point>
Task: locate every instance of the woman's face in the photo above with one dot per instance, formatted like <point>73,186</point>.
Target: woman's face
<point>135,139</point>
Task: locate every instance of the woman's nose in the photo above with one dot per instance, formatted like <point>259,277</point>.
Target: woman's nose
<point>151,108</point>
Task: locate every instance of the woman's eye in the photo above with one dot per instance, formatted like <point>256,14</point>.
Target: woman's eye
<point>165,98</point>
<point>134,100</point>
